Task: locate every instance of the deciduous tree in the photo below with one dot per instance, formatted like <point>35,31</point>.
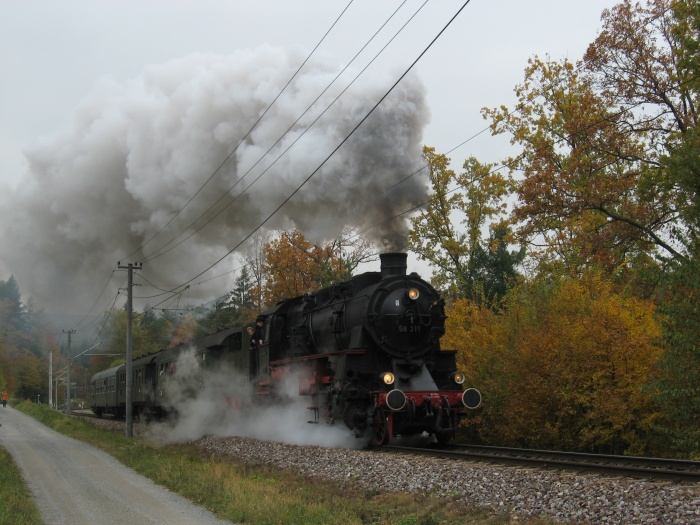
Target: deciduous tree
<point>449,232</point>
<point>294,266</point>
<point>643,57</point>
<point>649,56</point>
<point>583,196</point>
<point>646,57</point>
<point>566,364</point>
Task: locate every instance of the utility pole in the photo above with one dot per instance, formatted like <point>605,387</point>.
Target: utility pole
<point>56,386</point>
<point>69,332</point>
<point>129,429</point>
<point>50,377</point>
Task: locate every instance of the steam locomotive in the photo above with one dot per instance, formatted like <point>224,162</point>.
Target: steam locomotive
<point>365,352</point>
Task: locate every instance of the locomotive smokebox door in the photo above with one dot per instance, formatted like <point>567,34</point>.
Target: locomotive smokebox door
<point>405,314</point>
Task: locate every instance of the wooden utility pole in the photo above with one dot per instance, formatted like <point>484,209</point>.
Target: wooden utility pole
<point>129,428</point>
<point>69,332</point>
<point>51,377</point>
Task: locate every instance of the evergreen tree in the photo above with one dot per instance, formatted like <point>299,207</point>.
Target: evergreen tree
<point>22,357</point>
<point>495,268</point>
<point>11,305</point>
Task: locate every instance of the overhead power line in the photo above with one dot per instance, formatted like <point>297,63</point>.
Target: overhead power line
<point>247,133</point>
<point>307,179</point>
<point>222,163</point>
<point>162,250</point>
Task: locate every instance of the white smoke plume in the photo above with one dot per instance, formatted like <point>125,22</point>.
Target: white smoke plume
<point>133,153</point>
<point>221,402</point>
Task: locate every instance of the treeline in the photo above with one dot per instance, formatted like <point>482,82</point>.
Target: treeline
<point>24,338</point>
<point>585,337</point>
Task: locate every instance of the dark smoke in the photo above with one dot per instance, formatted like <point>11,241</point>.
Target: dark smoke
<point>133,153</point>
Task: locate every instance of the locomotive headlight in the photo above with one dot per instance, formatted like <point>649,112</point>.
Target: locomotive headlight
<point>459,377</point>
<point>388,378</point>
<point>413,294</point>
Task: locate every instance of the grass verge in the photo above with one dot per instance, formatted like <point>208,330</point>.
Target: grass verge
<point>265,496</point>
<point>16,502</point>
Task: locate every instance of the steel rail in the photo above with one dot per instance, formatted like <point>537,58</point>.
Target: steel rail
<point>633,466</point>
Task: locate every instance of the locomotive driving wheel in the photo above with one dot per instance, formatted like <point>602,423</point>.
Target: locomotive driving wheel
<point>380,428</point>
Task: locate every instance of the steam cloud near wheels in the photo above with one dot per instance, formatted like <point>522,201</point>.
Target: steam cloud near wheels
<point>221,402</point>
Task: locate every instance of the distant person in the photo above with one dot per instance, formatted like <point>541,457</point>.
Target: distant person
<point>259,333</point>
<point>253,351</point>
<point>4,398</point>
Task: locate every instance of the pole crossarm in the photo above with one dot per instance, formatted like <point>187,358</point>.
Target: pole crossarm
<point>87,350</point>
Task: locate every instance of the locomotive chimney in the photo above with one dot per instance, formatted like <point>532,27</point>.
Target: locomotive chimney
<point>393,264</point>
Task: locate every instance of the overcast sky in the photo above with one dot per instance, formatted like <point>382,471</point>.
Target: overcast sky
<point>70,67</point>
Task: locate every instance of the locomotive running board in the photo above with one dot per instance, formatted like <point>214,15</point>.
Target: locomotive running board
<point>315,357</point>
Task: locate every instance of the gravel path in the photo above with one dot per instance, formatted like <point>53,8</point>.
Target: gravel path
<point>76,484</point>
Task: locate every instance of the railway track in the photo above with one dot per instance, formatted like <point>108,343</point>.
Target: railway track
<point>629,466</point>
<point>83,413</point>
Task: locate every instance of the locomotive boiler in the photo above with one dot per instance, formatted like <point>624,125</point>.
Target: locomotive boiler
<point>367,352</point>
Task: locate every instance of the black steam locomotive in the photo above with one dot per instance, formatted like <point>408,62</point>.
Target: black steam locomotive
<point>366,352</point>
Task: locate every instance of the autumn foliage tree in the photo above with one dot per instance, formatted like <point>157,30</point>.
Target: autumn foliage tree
<point>294,266</point>
<point>593,188</point>
<point>607,178</point>
<point>647,57</point>
<point>650,56</point>
<point>449,232</point>
<point>585,194</point>
<point>563,366</point>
